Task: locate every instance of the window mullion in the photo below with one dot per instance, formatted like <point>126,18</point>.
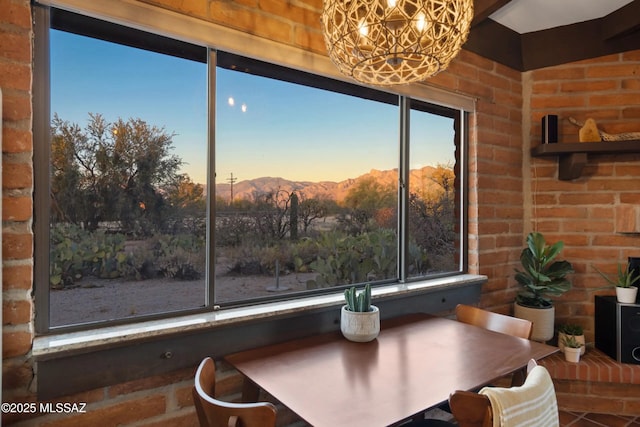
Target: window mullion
<point>462,142</point>
<point>41,161</point>
<point>211,178</point>
<point>403,189</point>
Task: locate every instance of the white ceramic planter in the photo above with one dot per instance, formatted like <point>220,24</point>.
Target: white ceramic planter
<point>360,326</point>
<point>579,338</point>
<point>543,320</point>
<point>626,295</point>
<point>572,354</point>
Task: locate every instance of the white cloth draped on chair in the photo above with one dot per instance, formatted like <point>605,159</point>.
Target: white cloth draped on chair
<point>533,404</point>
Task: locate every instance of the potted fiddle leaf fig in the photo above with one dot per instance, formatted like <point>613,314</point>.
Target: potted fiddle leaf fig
<point>541,278</point>
<point>624,283</point>
<point>359,319</point>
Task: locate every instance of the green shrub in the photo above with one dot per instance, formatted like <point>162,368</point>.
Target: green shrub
<point>76,253</point>
<point>66,255</point>
<point>180,257</point>
<point>106,255</point>
<point>233,230</point>
<point>354,259</point>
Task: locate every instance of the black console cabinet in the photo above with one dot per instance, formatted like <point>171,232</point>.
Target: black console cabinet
<point>617,329</point>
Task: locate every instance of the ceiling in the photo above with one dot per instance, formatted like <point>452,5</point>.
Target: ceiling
<point>531,34</point>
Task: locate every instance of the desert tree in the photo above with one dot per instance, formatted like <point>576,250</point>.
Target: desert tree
<point>111,172</point>
<point>186,204</point>
<point>432,215</point>
<point>364,200</point>
<point>67,194</point>
<point>312,209</point>
<point>271,212</point>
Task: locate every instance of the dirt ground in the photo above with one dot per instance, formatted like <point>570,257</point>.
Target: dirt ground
<point>98,299</point>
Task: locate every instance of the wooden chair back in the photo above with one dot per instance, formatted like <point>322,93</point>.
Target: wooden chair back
<point>494,321</point>
<point>216,413</point>
<point>472,409</point>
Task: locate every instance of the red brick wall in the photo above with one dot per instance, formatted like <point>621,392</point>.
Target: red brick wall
<point>588,213</point>
<point>17,242</point>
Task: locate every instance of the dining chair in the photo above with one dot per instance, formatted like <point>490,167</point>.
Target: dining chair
<point>497,322</point>
<point>469,409</point>
<point>534,402</point>
<point>216,413</point>
<point>494,321</point>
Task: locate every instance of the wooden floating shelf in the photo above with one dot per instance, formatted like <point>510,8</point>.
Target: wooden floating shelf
<point>572,156</point>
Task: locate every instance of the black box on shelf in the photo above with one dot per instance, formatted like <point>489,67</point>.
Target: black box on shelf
<point>549,129</point>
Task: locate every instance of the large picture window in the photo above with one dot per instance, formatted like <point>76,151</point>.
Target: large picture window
<point>169,193</point>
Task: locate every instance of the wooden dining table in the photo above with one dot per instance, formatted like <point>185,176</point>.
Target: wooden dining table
<point>413,365</point>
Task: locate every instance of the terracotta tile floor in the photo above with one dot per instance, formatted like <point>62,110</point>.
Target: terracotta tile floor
<point>573,419</point>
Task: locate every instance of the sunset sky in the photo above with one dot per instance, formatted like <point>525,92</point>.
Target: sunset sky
<point>264,132</point>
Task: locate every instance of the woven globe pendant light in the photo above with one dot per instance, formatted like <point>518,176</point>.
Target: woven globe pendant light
<point>389,42</point>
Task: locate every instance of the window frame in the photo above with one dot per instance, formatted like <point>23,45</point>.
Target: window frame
<point>63,20</point>
<point>41,163</point>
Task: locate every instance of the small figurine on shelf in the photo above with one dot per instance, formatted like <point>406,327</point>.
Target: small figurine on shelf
<point>589,132</point>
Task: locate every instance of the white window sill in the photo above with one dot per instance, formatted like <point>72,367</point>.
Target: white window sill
<point>59,344</point>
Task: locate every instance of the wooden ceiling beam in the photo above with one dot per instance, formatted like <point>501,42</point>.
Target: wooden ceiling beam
<point>622,22</point>
<point>484,8</point>
<point>617,32</point>
<point>561,45</point>
<point>497,42</point>
<point>576,42</point>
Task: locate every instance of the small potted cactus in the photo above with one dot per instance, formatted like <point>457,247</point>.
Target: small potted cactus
<point>571,330</point>
<point>572,349</point>
<point>359,320</point>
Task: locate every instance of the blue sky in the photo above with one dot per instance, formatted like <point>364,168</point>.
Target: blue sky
<point>92,76</point>
<point>284,130</point>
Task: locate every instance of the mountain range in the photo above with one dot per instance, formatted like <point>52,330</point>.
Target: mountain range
<point>421,181</point>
